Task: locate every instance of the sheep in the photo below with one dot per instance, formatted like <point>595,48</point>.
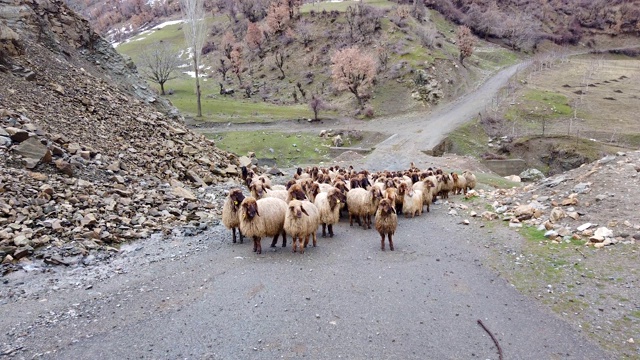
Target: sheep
<point>446,185</point>
<point>363,203</point>
<point>428,192</point>
<point>264,179</point>
<point>312,191</point>
<point>258,190</point>
<point>295,192</point>
<point>328,203</point>
<point>459,184</point>
<point>230,209</point>
<point>302,220</point>
<point>471,179</point>
<point>280,194</point>
<point>386,221</point>
<point>278,187</point>
<point>412,203</point>
<point>263,217</point>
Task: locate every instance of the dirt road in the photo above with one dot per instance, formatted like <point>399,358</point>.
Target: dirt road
<point>204,298</point>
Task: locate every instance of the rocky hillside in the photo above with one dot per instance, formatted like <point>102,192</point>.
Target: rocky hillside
<point>88,156</point>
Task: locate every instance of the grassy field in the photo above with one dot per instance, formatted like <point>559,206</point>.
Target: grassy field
<point>283,149</point>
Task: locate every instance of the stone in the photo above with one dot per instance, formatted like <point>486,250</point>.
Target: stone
<point>556,214</point>
<point>183,193</point>
<point>602,233</point>
<point>574,215</point>
<point>453,212</point>
<point>465,222</point>
<point>607,159</point>
<point>502,209</point>
<point>231,170</point>
<point>7,260</point>
<point>17,135</point>
<point>22,251</point>
<point>570,201</point>
<point>531,175</point>
<point>88,219</point>
<point>551,234</point>
<point>275,171</point>
<point>582,188</point>
<point>513,178</point>
<point>114,166</point>
<point>337,141</point>
<point>244,161</point>
<point>64,167</point>
<point>5,141</point>
<point>600,197</point>
<point>73,148</point>
<point>488,215</point>
<point>20,240</point>
<point>85,154</point>
<point>32,152</point>
<point>553,182</point>
<point>515,224</point>
<point>473,214</point>
<point>524,212</point>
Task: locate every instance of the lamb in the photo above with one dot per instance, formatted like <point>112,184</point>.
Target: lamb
<point>230,209</point>
<point>302,219</point>
<point>363,203</point>
<point>459,184</point>
<point>471,179</point>
<point>412,203</point>
<point>328,203</point>
<point>263,217</point>
<point>386,221</point>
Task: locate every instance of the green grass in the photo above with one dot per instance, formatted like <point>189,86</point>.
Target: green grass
<point>469,139</point>
<point>538,104</point>
<point>342,6</point>
<point>308,148</point>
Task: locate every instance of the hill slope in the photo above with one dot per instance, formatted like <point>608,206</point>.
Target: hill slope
<point>88,156</point>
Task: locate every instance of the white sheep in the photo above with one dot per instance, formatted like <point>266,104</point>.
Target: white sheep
<point>428,191</point>
<point>386,221</point>
<point>412,203</point>
<point>258,189</point>
<point>263,217</point>
<point>459,184</point>
<point>328,203</point>
<point>230,209</point>
<point>301,220</point>
<point>363,203</point>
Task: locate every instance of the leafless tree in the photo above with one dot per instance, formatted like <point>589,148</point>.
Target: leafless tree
<point>223,69</point>
<point>194,33</point>
<point>353,70</point>
<point>159,64</point>
<point>279,57</point>
<point>316,104</point>
<point>465,42</point>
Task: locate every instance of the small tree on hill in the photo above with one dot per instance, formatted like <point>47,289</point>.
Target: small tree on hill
<point>316,104</point>
<point>254,37</point>
<point>465,42</point>
<point>228,40</point>
<point>278,16</point>
<point>159,64</point>
<point>194,33</point>
<point>353,70</point>
<point>237,62</point>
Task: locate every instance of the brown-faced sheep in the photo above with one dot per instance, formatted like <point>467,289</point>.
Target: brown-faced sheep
<point>295,192</point>
<point>230,209</point>
<point>446,185</point>
<point>363,203</point>
<point>312,191</point>
<point>459,184</point>
<point>428,192</point>
<point>471,179</point>
<point>263,217</point>
<point>301,221</point>
<point>412,203</point>
<point>328,203</point>
<point>386,221</point>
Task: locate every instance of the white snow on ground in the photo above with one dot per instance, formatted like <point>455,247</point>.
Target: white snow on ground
<point>146,32</point>
<point>167,23</point>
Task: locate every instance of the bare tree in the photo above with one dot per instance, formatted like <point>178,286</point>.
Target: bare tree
<point>237,62</point>
<point>353,70</point>
<point>254,37</point>
<point>159,64</point>
<point>465,42</point>
<point>223,69</point>
<point>194,33</point>
<point>279,57</point>
<point>316,104</point>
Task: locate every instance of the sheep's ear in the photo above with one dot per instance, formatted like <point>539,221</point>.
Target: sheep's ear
<point>266,186</point>
<point>304,211</point>
<point>257,213</point>
<point>393,209</point>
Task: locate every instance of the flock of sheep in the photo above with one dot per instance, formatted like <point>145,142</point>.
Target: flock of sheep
<point>317,196</point>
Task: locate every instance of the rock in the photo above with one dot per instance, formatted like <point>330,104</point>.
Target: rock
<point>453,212</point>
<point>20,240</point>
<point>231,170</point>
<point>606,159</point>
<point>73,148</point>
<point>5,141</point>
<point>513,178</point>
<point>582,188</point>
<point>64,167</point>
<point>7,260</point>
<point>547,225</point>
<point>574,215</point>
<point>556,214</point>
<point>551,234</point>
<point>465,222</point>
<point>600,197</point>
<point>244,161</point>
<point>88,219</point>
<point>488,215</point>
<point>275,171</point>
<point>502,209</point>
<point>515,224</point>
<point>17,135</point>
<point>602,233</point>
<point>553,182</point>
<point>524,212</point>
<point>22,252</point>
<point>570,201</point>
<point>183,193</point>
<point>3,132</point>
<point>32,152</point>
<point>531,175</point>
<point>473,214</point>
<point>323,133</point>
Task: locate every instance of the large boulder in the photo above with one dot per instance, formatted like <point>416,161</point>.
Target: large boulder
<point>33,151</point>
<point>531,175</point>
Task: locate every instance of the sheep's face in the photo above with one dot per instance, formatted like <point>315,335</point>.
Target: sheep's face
<point>341,186</point>
<point>299,171</point>
<point>296,192</point>
<point>415,177</point>
<point>386,206</point>
<point>335,197</point>
<point>429,183</point>
<point>257,189</point>
<point>376,193</point>
<point>402,188</point>
<point>439,172</point>
<point>296,210</point>
<point>290,183</point>
<point>236,197</point>
<point>250,209</point>
<point>454,176</point>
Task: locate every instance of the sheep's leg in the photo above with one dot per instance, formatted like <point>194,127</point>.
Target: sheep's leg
<point>428,208</point>
<point>284,239</point>
<point>241,236</point>
<point>350,220</point>
<point>330,230</point>
<point>294,244</point>
<point>257,246</point>
<point>233,231</point>
<point>324,229</point>
<point>314,239</point>
<point>304,245</point>
<point>382,241</point>
<point>390,241</point>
